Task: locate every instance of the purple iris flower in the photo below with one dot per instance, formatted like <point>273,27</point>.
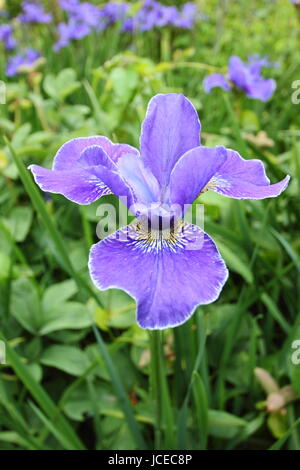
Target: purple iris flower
<point>70,31</point>
<point>22,61</point>
<point>153,14</point>
<point>246,76</point>
<point>167,265</point>
<point>150,15</point>
<point>82,12</point>
<point>188,15</point>
<point>6,36</point>
<point>33,12</point>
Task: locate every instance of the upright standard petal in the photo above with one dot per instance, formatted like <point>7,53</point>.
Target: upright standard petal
<point>238,73</point>
<point>193,171</point>
<point>143,183</point>
<point>168,278</point>
<point>170,129</point>
<point>244,179</point>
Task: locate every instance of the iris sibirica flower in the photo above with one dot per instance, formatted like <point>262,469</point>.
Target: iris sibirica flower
<point>246,76</point>
<point>70,31</point>
<point>85,17</point>
<point>167,265</point>
<point>6,36</point>
<point>33,12</point>
<point>21,62</point>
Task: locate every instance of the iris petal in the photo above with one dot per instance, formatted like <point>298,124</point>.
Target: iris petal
<point>170,129</point>
<point>83,171</point>
<point>68,155</point>
<point>244,179</point>
<point>168,278</point>
<point>78,186</point>
<point>215,80</point>
<point>193,171</point>
<point>143,183</point>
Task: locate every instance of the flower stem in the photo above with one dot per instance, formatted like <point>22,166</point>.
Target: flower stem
<point>164,418</point>
<point>154,384</point>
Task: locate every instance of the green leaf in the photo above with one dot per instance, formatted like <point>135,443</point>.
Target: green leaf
<point>25,305</point>
<point>124,82</point>
<point>224,425</point>
<point>20,222</point>
<point>66,358</point>
<point>58,293</point>
<point>236,262</point>
<point>62,85</point>
<point>66,315</point>
<point>42,397</point>
<point>275,312</point>
<point>201,409</point>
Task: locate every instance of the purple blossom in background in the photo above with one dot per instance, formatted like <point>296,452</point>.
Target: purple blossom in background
<point>168,272</point>
<point>114,12</point>
<point>246,76</point>
<point>33,12</point>
<point>6,36</point>
<point>189,14</point>
<point>215,80</point>
<point>152,14</point>
<point>70,31</point>
<point>21,61</point>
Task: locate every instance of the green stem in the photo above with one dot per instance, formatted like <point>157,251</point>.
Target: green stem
<point>154,384</point>
<point>164,419</point>
<point>241,145</point>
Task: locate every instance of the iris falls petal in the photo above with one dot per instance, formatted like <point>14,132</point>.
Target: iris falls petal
<point>244,179</point>
<point>68,155</point>
<point>78,186</point>
<point>84,169</point>
<point>168,276</point>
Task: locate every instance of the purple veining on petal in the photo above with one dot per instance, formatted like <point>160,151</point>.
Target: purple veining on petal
<point>84,170</point>
<point>168,280</point>
<point>245,179</point>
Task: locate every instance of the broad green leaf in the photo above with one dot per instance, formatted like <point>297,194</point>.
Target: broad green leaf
<point>20,222</point>
<point>25,305</point>
<point>66,358</point>
<point>58,293</point>
<point>66,315</point>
